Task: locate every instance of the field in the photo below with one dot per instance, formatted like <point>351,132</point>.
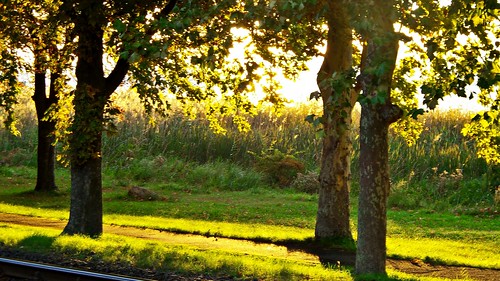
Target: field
<point>442,206</point>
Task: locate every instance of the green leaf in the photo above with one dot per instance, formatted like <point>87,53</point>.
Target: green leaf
<point>431,49</point>
<point>134,57</point>
<point>119,26</point>
<point>414,113</point>
<point>310,118</point>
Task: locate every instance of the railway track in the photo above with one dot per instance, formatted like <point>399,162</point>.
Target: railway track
<point>22,270</point>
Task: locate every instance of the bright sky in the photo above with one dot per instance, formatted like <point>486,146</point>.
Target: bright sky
<point>300,90</point>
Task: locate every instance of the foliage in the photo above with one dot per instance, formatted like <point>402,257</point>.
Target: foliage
<point>403,95</point>
<point>35,39</point>
<point>485,128</point>
<point>279,167</point>
<point>461,48</point>
<point>200,59</point>
<point>9,87</point>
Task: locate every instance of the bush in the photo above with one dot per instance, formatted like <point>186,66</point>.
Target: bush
<point>281,169</point>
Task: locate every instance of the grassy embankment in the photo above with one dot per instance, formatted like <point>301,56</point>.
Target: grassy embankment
<point>442,208</point>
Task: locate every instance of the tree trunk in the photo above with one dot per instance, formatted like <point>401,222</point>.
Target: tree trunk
<point>85,148</point>
<point>85,142</point>
<point>46,160</point>
<point>376,115</point>
<point>45,181</point>
<point>86,199</point>
<point>374,191</point>
<point>335,174</point>
<point>91,95</point>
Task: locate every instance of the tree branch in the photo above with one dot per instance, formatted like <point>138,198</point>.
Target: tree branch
<point>122,66</point>
<point>116,76</point>
<point>168,8</point>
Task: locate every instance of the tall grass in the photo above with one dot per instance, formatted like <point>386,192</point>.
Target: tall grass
<point>192,139</point>
<point>439,171</point>
<point>441,147</point>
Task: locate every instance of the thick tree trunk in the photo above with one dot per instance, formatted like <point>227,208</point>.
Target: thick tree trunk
<point>85,142</point>
<point>374,191</point>
<point>86,199</point>
<point>333,204</point>
<point>46,150</point>
<point>85,147</point>
<point>335,175</point>
<point>91,95</point>
<point>380,52</point>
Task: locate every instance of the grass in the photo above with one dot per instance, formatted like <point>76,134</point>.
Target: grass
<point>271,215</point>
<point>441,207</point>
<point>189,260</point>
<point>161,256</point>
<point>445,252</point>
<point>439,172</point>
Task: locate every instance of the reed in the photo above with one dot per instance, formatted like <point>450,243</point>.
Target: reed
<point>440,168</point>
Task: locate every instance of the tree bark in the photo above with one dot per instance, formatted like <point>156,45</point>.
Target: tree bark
<point>92,92</point>
<point>333,205</point>
<point>85,142</point>
<point>380,50</point>
<point>86,199</point>
<point>45,181</point>
<point>374,191</point>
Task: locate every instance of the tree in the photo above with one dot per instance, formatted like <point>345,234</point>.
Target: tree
<point>335,83</point>
<point>182,49</point>
<point>298,28</point>
<point>52,46</point>
<point>32,26</point>
<point>91,96</point>
<point>46,157</point>
<point>453,67</point>
<point>377,113</point>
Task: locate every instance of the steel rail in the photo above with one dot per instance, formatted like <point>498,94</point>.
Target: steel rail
<point>38,271</point>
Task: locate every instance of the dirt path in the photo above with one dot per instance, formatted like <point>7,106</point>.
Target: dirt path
<point>414,267</point>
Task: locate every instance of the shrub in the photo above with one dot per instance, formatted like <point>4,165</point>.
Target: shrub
<point>280,168</point>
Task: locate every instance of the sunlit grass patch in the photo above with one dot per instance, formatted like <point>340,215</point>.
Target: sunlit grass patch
<point>161,256</point>
<point>447,226</point>
<point>256,232</point>
<point>401,276</point>
<point>442,251</point>
<point>34,212</point>
<point>259,232</point>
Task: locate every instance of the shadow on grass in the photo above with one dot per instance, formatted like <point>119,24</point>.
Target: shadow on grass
<point>331,252</point>
<point>380,277</point>
<point>56,199</point>
<point>37,242</point>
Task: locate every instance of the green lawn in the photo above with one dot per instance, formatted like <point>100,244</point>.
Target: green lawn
<point>263,214</point>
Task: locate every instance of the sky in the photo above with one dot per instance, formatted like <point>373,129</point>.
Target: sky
<point>300,90</point>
